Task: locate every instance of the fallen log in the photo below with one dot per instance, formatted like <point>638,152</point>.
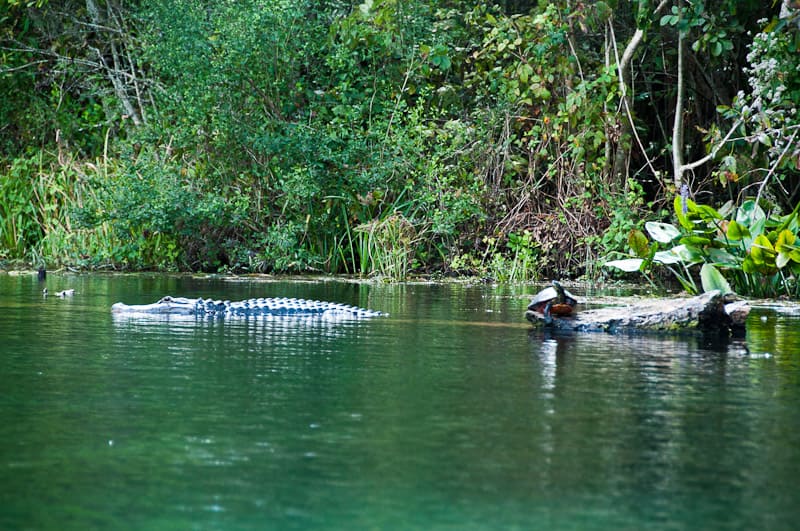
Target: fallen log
<point>708,312</point>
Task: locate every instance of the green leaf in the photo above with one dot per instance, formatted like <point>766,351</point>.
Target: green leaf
<point>736,231</point>
<point>629,265</point>
<point>669,20</point>
<point>525,72</point>
<point>724,258</point>
<point>751,216</point>
<point>683,219</point>
<point>541,93</point>
<point>712,279</point>
<point>782,259</point>
<point>662,232</point>
<point>749,265</point>
<point>677,255</point>
<point>695,241</point>
<point>762,252</point>
<point>639,243</point>
<point>785,242</point>
<point>708,213</point>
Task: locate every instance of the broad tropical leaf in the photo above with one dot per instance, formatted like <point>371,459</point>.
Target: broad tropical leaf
<point>752,216</point>
<point>762,251</point>
<point>785,242</point>
<point>639,243</point>
<point>712,279</point>
<point>662,232</point>
<point>736,231</point>
<point>629,265</point>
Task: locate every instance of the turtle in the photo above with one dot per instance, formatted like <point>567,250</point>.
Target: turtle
<point>553,300</point>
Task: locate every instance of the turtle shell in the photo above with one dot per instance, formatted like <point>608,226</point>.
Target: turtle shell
<point>550,295</point>
<point>541,299</point>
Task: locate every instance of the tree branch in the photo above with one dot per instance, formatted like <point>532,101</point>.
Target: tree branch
<point>637,37</point>
<point>789,144</point>
<point>677,128</point>
<point>714,150</point>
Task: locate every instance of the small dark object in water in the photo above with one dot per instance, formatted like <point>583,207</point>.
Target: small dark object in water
<point>42,274</point>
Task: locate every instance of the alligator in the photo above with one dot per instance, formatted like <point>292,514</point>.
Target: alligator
<point>263,307</point>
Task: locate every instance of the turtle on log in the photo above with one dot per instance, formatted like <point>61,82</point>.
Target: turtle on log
<point>553,300</point>
<point>709,313</point>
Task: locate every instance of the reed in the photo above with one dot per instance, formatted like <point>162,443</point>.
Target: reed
<point>39,198</point>
<point>388,244</point>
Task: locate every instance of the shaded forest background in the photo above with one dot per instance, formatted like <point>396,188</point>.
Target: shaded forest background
<point>509,140</point>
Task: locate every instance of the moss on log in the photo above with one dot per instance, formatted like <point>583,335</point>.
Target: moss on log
<point>708,312</point>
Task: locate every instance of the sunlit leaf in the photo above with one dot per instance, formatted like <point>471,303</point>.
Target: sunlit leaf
<point>667,258</point>
<point>629,265</point>
<point>736,231</point>
<point>697,241</point>
<point>785,242</point>
<point>681,212</point>
<point>712,279</point>
<point>782,259</point>
<point>762,251</point>
<point>662,232</point>
<point>708,213</point>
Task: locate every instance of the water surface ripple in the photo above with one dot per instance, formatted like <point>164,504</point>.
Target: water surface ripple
<point>452,413</point>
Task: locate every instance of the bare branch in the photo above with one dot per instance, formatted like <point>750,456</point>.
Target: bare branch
<point>637,37</point>
<point>789,144</point>
<point>714,150</point>
<point>626,105</point>
<point>7,69</point>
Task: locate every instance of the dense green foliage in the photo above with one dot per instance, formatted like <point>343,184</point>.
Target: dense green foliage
<point>386,137</point>
<point>759,253</point>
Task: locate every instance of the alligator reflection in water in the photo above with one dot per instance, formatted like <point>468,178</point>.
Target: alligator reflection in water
<point>276,332</point>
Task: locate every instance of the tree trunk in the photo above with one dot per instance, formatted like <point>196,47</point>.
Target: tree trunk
<point>677,128</point>
<point>626,126</point>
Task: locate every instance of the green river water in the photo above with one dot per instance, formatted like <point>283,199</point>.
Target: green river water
<point>451,413</point>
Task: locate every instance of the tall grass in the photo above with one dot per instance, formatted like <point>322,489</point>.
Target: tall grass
<point>389,245</point>
<point>38,198</point>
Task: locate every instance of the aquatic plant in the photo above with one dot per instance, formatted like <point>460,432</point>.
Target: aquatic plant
<point>758,253</point>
